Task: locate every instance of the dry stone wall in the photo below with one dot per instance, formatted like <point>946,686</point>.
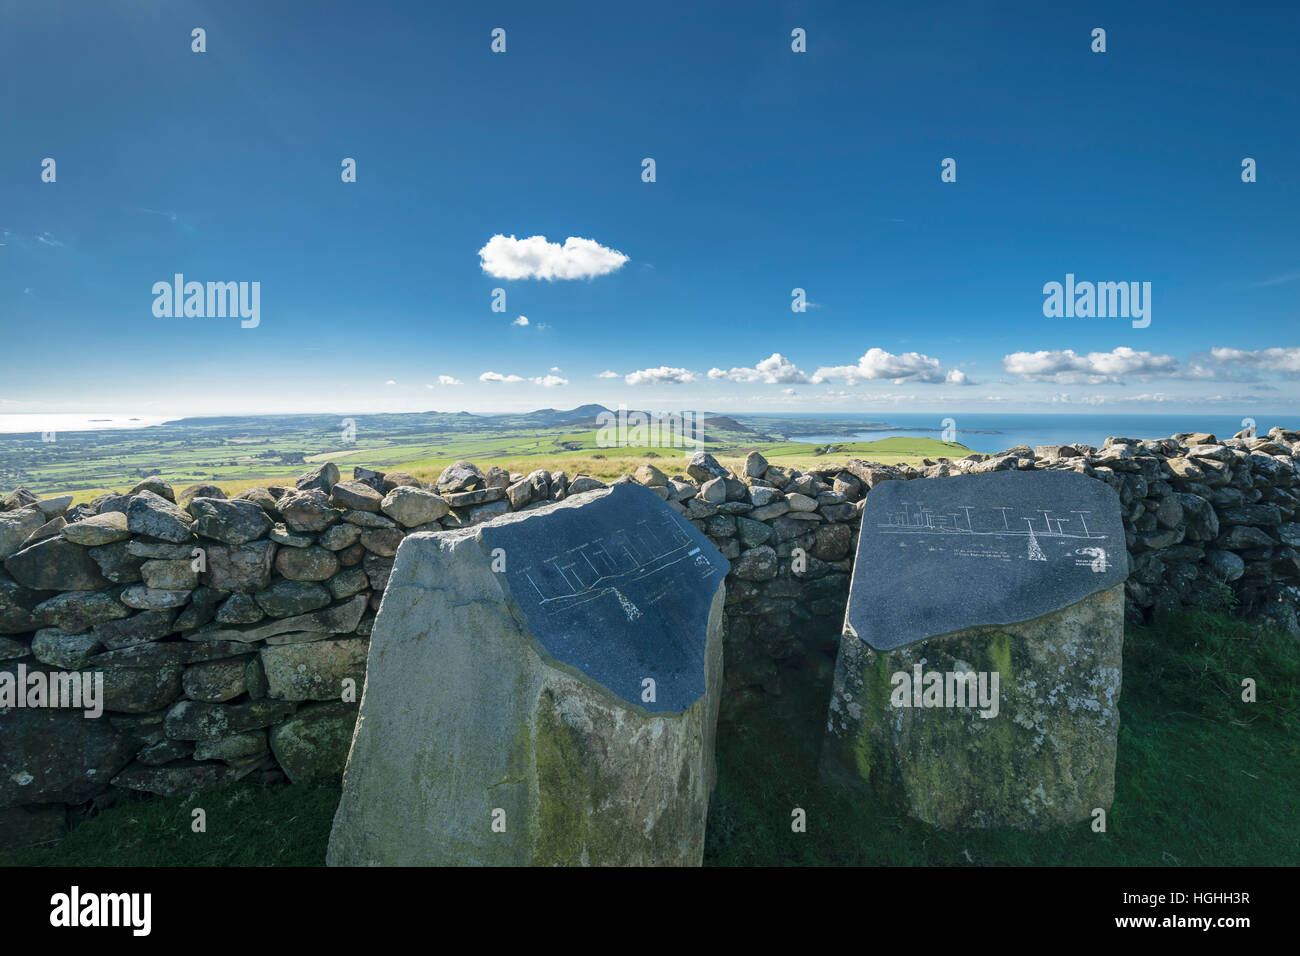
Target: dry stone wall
<point>228,631</point>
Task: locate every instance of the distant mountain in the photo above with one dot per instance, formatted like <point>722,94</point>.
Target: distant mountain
<point>726,429</point>
<point>582,415</point>
<point>727,422</point>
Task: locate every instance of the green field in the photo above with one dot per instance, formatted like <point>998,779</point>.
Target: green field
<point>1202,779</point>
<point>240,453</point>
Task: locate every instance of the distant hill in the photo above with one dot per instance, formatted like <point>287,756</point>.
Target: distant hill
<point>729,423</point>
<point>726,429</point>
<point>582,415</point>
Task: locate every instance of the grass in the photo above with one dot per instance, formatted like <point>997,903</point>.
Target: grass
<point>241,452</point>
<point>524,455</point>
<point>1202,779</point>
<point>247,825</point>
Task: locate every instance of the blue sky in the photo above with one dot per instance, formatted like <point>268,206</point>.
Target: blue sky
<point>775,170</point>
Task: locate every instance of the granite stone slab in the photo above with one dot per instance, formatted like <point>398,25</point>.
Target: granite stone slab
<point>618,589</point>
<point>994,549</point>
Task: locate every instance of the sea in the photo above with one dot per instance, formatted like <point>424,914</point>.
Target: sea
<point>75,422</point>
<point>994,432</point>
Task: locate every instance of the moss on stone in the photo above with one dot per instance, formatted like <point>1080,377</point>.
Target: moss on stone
<point>563,779</point>
<point>1048,757</point>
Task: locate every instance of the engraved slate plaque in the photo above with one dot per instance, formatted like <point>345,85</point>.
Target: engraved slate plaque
<point>942,554</point>
<point>618,589</point>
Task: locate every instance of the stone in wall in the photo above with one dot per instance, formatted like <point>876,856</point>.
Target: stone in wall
<point>313,743</point>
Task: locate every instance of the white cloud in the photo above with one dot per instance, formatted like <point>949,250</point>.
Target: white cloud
<point>555,368</point>
<point>879,364</point>
<point>1067,367</point>
<point>1284,360</point>
<point>1158,397</point>
<point>775,370</point>
<point>546,381</point>
<point>522,320</point>
<point>390,382</point>
<point>506,257</point>
<point>956,376</point>
<point>663,375</point>
<point>858,399</point>
<point>607,374</point>
<point>1277,280</point>
<point>449,380</point>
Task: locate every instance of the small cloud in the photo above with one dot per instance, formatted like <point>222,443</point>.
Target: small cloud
<point>506,257</point>
<point>449,380</point>
<point>607,374</point>
<point>879,364</point>
<point>1284,360</point>
<point>521,321</point>
<point>1277,280</point>
<point>555,368</point>
<point>1064,398</point>
<point>156,212</point>
<point>774,370</point>
<point>546,381</point>
<point>390,382</point>
<point>663,375</point>
<point>1066,367</point>
<point>47,239</point>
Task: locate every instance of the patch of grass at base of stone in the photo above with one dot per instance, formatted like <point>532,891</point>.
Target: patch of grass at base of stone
<point>1203,778</point>
<point>247,825</point>
<point>1194,664</point>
